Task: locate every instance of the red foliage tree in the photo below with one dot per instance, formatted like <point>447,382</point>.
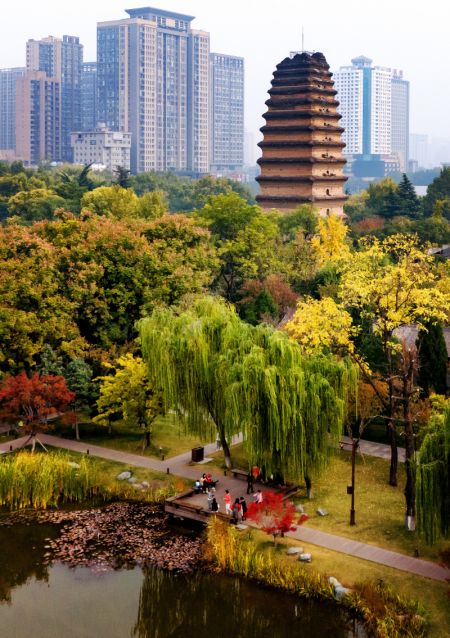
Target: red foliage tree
<point>34,399</point>
<point>274,515</point>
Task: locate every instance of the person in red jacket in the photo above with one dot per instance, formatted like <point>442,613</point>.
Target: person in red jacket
<point>227,501</point>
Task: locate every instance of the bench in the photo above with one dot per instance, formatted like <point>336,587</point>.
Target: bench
<point>239,473</point>
<point>345,445</point>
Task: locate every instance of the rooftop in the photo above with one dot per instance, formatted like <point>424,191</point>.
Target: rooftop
<point>145,12</point>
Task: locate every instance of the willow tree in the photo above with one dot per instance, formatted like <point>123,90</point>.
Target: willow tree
<point>214,368</point>
<point>433,482</point>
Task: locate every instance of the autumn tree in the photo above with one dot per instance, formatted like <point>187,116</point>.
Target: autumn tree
<point>129,395</point>
<point>33,399</point>
<point>274,515</point>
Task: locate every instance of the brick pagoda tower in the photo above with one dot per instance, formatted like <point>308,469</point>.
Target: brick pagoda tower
<point>302,158</point>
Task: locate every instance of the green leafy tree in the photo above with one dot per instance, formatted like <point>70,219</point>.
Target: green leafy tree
<point>409,203</point>
<point>113,201</point>
<point>433,357</point>
<point>438,190</point>
<point>129,394</point>
<point>433,482</point>
<point>122,176</point>
<point>72,184</point>
<point>50,362</point>
<point>152,205</point>
<point>78,375</point>
<point>35,205</point>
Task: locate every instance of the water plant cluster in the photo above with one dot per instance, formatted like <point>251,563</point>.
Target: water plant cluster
<point>45,480</point>
<point>383,613</point>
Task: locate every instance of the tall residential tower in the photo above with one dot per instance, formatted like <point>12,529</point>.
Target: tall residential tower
<point>152,74</point>
<point>227,113</point>
<point>8,79</point>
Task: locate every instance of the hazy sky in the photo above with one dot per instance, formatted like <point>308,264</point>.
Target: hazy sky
<point>406,34</point>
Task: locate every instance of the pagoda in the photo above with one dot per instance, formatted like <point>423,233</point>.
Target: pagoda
<point>302,161</point>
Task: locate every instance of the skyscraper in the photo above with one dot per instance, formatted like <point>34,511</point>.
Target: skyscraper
<point>374,103</point>
<point>400,118</point>
<point>38,116</point>
<point>88,109</point>
<point>61,60</point>
<point>152,78</point>
<point>227,113</point>
<point>8,78</point>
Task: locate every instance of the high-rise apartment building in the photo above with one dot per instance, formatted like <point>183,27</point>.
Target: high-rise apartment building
<point>419,149</point>
<point>61,59</point>
<point>374,103</point>
<point>152,75</point>
<point>400,118</point>
<point>38,116</point>
<point>227,113</point>
<point>88,116</point>
<point>8,79</point>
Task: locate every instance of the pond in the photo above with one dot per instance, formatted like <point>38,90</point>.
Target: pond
<point>51,601</point>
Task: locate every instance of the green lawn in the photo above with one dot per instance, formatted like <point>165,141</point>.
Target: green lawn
<point>379,507</point>
<point>167,434</point>
<point>433,595</point>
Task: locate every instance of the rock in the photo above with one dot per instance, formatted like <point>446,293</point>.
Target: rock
<point>322,512</point>
<point>73,464</point>
<point>137,486</point>
<point>145,484</point>
<point>241,527</point>
<point>292,551</point>
<point>132,479</point>
<point>300,509</point>
<point>305,558</point>
<point>339,590</point>
<point>123,476</point>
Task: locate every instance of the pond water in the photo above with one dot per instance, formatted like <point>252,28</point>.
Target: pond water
<point>56,601</point>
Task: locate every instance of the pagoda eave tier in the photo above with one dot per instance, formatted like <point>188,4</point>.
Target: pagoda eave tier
<point>298,199</point>
<point>274,128</point>
<point>301,88</point>
<point>298,144</point>
<point>300,179</point>
<point>299,101</point>
<point>263,161</point>
<point>299,115</point>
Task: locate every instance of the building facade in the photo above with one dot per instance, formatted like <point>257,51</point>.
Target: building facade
<point>88,96</point>
<point>152,75</point>
<point>374,104</point>
<point>227,113</point>
<point>8,79</point>
<point>38,116</point>
<point>102,146</point>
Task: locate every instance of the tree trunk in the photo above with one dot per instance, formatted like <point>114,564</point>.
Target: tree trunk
<point>410,487</point>
<point>309,492</point>
<point>109,429</point>
<point>77,430</point>
<point>394,456</point>
<point>226,450</point>
<point>147,439</point>
<point>355,443</point>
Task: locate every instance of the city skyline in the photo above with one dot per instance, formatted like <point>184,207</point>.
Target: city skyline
<point>264,37</point>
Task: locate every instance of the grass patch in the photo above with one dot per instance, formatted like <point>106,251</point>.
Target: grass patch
<point>168,437</point>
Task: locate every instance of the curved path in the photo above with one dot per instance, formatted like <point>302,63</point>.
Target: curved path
<point>179,465</point>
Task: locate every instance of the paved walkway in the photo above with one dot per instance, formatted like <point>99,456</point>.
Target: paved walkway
<point>179,465</point>
<point>380,450</point>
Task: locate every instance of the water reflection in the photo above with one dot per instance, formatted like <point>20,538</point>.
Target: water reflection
<point>22,549</point>
<point>180,606</point>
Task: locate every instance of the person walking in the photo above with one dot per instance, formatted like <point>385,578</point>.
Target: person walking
<point>210,497</point>
<point>249,483</point>
<point>227,501</point>
<point>243,508</point>
<point>258,497</point>
<point>236,511</point>
<point>214,505</point>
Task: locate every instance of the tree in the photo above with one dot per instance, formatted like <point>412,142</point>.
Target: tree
<point>122,175</point>
<point>78,375</point>
<point>72,184</point>
<point>113,201</point>
<point>438,190</point>
<point>216,370</point>
<point>129,394</point>
<point>267,300</point>
<point>394,283</point>
<point>409,203</point>
<point>33,400</point>
<point>35,205</point>
<point>274,515</point>
<point>433,482</point>
<point>50,362</point>
<point>330,242</point>
<point>152,205</point>
<point>433,359</point>
<point>381,199</point>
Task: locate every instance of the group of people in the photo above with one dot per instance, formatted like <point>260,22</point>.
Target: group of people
<point>205,483</point>
<point>238,509</point>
